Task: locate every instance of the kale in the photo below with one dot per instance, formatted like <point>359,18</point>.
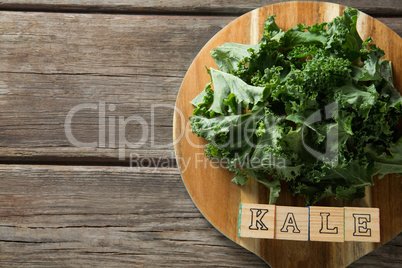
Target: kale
<point>314,106</point>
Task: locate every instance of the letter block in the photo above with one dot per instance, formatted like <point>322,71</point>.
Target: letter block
<point>326,224</point>
<point>362,224</point>
<point>257,221</point>
<point>292,223</point>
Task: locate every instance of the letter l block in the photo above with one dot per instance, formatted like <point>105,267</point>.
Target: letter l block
<point>326,224</point>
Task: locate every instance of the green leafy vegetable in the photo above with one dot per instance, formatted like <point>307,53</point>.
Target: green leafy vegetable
<point>314,106</point>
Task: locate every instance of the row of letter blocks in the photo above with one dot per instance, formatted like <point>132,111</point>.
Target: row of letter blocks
<point>332,224</point>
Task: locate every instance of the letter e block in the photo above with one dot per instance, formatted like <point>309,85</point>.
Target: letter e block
<point>291,223</point>
<point>362,224</point>
<point>326,224</point>
<point>257,221</point>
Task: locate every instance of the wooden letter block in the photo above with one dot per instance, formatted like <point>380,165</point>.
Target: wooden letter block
<point>326,224</point>
<point>362,224</point>
<point>292,223</point>
<point>257,221</point>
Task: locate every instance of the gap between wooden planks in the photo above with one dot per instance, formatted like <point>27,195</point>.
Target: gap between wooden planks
<point>195,7</point>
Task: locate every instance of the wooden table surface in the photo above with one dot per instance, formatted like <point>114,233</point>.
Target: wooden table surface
<point>88,175</point>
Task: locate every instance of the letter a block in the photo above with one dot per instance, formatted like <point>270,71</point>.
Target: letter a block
<point>326,224</point>
<point>257,221</point>
<point>362,224</point>
<point>291,223</point>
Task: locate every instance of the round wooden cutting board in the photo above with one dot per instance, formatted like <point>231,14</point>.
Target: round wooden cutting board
<point>210,186</point>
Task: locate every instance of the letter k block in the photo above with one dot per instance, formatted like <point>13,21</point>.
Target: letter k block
<point>257,221</point>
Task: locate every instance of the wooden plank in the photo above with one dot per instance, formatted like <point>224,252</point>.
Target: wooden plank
<point>114,216</point>
<point>54,62</point>
<point>86,216</point>
<point>386,7</point>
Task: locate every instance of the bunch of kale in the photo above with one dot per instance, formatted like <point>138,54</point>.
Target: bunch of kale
<point>314,106</point>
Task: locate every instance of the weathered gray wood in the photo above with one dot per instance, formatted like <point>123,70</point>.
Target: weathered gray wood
<point>112,217</point>
<point>52,62</point>
<point>373,7</point>
<point>108,217</point>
